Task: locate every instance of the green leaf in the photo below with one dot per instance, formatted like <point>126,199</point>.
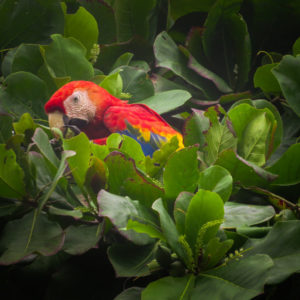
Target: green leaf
<point>254,129</point>
<point>181,172</point>
<point>113,84</point>
<point>79,163</point>
<point>82,26</point>
<point>41,140</point>
<point>169,56</point>
<point>194,128</point>
<point>81,238</point>
<point>125,179</point>
<point>240,279</point>
<point>204,207</point>
<point>133,293</point>
<point>11,175</point>
<point>287,167</point>
<point>175,288</point>
<point>216,179</point>
<point>180,208</point>
<point>239,214</point>
<point>282,244</point>
<point>136,82</point>
<point>205,73</point>
<point>218,138</point>
<point>169,229</point>
<point>226,42</point>
<point>288,75</point>
<point>179,8</point>
<point>149,229</point>
<point>24,92</point>
<point>27,58</point>
<point>131,147</point>
<point>25,123</point>
<point>132,18</point>
<point>296,47</point>
<point>130,260</point>
<point>119,210</point>
<point>66,57</point>
<point>105,16</point>
<point>214,251</point>
<point>58,176</point>
<point>122,60</point>
<point>33,233</point>
<point>29,21</point>
<point>244,172</point>
<point>77,214</point>
<point>6,128</point>
<point>166,101</point>
<point>265,80</point>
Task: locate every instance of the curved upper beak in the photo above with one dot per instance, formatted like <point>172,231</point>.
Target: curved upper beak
<point>56,120</point>
<point>61,121</point>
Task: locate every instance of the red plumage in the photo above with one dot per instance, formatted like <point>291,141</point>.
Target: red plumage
<point>106,114</point>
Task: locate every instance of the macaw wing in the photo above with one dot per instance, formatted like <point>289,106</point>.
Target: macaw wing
<point>141,123</point>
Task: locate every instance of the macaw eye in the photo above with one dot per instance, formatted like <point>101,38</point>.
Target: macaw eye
<point>75,98</point>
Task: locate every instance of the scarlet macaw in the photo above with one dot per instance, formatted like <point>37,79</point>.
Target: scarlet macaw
<point>98,113</point>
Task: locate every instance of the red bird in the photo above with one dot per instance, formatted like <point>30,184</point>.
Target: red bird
<point>97,113</point>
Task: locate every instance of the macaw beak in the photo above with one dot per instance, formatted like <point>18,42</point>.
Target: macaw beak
<point>61,121</point>
<point>56,120</point>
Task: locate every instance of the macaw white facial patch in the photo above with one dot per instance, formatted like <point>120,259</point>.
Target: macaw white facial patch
<point>79,106</point>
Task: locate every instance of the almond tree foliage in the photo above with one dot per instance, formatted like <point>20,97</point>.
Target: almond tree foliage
<point>218,219</point>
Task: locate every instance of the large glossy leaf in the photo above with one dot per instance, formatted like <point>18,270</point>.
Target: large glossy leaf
<point>131,260</point>
<point>179,8</point>
<point>243,171</point>
<point>28,58</point>
<point>218,138</point>
<point>169,229</point>
<point>180,208</point>
<point>11,175</point>
<point>194,128</point>
<point>133,293</point>
<point>238,214</point>
<point>119,210</point>
<point>265,80</point>
<point>79,163</point>
<point>33,233</point>
<point>132,18</point>
<point>66,57</point>
<point>169,56</point>
<point>287,73</point>
<point>6,128</point>
<point>254,128</point>
<point>41,139</point>
<point>218,180</point>
<point>137,83</point>
<point>287,167</point>
<point>24,92</point>
<point>81,238</point>
<point>204,207</point>
<point>82,26</point>
<point>181,172</point>
<point>29,21</point>
<point>239,279</point>
<point>226,42</point>
<point>175,288</point>
<point>104,14</point>
<point>282,244</point>
<point>124,178</point>
<point>166,101</point>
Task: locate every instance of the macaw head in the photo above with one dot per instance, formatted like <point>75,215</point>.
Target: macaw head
<point>79,103</point>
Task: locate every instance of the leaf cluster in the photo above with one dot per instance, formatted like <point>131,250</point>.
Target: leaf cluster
<point>218,219</point>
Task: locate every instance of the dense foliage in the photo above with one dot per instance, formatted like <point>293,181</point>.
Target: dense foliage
<point>218,219</point>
